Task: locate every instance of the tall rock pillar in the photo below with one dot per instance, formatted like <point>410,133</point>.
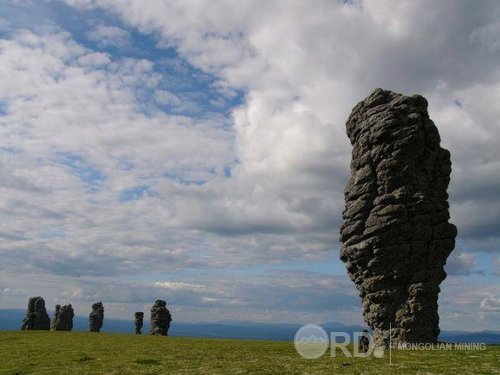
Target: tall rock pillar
<point>396,235</point>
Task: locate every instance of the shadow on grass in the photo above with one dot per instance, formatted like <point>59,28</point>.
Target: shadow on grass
<point>147,361</point>
<point>84,358</point>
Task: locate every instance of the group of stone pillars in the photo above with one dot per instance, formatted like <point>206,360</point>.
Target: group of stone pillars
<point>160,319</point>
<point>37,318</point>
<point>396,234</point>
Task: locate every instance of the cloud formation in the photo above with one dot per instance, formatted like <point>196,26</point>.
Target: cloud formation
<point>223,145</point>
<point>303,74</point>
<point>109,36</point>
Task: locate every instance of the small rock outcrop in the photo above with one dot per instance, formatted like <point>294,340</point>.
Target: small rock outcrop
<point>63,318</point>
<point>36,315</point>
<point>139,322</point>
<point>160,318</point>
<point>396,236</point>
<point>96,317</point>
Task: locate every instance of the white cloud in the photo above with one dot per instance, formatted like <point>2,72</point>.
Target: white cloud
<point>167,98</point>
<point>304,72</point>
<point>94,59</point>
<point>106,36</point>
<point>468,306</point>
<point>490,304</point>
<point>462,263</point>
<point>60,102</point>
<point>256,297</point>
<point>179,285</point>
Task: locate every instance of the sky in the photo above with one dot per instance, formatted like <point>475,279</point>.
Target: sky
<point>195,151</point>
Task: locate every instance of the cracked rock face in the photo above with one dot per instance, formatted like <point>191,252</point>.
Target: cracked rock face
<point>96,317</point>
<point>63,318</point>
<point>36,315</point>
<point>396,236</point>
<point>139,321</point>
<point>160,318</point>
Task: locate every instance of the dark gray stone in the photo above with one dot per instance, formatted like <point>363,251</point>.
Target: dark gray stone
<point>395,235</point>
<point>160,318</point>
<point>63,318</point>
<point>364,342</point>
<point>139,321</point>
<point>36,315</point>
<point>96,317</point>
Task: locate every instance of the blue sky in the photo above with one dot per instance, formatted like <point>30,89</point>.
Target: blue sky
<point>197,151</point>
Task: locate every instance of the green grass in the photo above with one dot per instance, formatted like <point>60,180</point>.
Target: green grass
<point>35,352</point>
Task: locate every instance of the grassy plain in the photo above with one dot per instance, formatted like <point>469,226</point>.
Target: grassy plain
<point>37,352</point>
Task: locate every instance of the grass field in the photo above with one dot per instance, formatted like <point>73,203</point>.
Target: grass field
<point>38,352</point>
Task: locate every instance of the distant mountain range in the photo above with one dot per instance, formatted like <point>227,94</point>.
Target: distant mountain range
<point>10,319</point>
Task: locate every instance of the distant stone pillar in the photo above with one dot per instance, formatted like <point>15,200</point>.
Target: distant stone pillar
<point>36,315</point>
<point>139,321</point>
<point>67,317</point>
<point>396,236</point>
<point>63,318</point>
<point>55,319</point>
<point>96,317</point>
<point>160,318</point>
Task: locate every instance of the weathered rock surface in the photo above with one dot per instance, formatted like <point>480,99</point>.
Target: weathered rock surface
<point>36,315</point>
<point>364,342</point>
<point>396,236</point>
<point>96,317</point>
<point>63,318</point>
<point>139,322</point>
<point>160,318</point>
